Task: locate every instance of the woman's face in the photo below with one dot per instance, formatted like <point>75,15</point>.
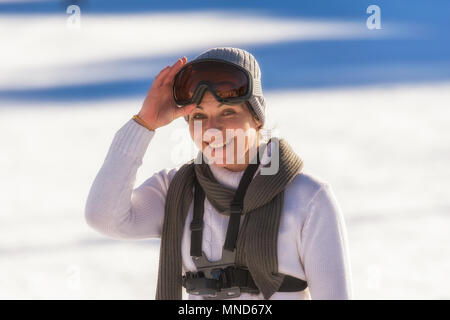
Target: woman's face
<point>225,133</point>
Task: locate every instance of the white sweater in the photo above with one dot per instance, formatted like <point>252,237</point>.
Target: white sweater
<point>312,241</point>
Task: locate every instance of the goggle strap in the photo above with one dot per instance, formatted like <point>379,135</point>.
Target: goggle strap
<point>257,90</point>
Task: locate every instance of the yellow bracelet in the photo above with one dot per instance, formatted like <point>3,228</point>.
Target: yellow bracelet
<point>142,122</point>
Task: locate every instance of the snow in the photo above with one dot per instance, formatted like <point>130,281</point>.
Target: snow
<point>378,134</point>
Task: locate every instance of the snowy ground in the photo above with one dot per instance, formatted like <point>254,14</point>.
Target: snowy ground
<point>383,146</point>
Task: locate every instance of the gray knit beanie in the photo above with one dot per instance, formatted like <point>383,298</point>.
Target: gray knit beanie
<point>246,60</point>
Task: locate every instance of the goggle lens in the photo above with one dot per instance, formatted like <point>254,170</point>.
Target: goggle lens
<point>226,80</point>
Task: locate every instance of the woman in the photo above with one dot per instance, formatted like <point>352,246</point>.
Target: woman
<point>253,227</point>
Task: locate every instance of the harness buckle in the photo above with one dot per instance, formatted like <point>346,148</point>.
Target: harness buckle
<point>196,283</point>
<point>196,225</point>
<point>212,280</point>
<point>217,287</point>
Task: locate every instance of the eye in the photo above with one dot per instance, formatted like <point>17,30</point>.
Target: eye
<point>228,112</point>
<point>197,116</point>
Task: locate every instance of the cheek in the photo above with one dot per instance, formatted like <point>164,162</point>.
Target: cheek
<point>249,131</point>
<point>242,123</point>
<point>239,121</point>
<point>197,137</point>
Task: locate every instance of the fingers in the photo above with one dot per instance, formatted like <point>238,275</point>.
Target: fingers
<point>169,77</point>
<point>159,79</point>
<point>161,75</point>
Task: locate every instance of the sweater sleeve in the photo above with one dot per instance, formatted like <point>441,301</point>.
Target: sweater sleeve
<point>324,252</point>
<point>113,207</point>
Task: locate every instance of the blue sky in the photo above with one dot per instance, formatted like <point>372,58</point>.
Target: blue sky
<point>421,54</point>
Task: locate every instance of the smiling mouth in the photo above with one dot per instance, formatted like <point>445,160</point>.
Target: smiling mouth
<point>215,145</point>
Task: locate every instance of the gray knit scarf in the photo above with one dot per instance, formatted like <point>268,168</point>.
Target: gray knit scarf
<point>256,246</point>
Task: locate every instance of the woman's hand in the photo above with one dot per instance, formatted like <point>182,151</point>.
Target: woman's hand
<point>159,107</point>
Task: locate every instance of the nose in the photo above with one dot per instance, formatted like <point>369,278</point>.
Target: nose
<point>212,123</point>
<point>213,130</point>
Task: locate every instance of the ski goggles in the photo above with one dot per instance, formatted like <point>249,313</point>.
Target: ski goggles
<point>228,82</point>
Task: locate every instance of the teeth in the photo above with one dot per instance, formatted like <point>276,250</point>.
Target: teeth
<point>212,145</point>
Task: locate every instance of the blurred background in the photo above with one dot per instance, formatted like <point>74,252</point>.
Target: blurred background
<point>362,96</point>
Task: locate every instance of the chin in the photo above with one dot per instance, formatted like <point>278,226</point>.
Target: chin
<point>220,165</point>
<point>231,166</point>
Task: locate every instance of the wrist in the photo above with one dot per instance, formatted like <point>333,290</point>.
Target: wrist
<point>147,119</point>
<point>143,123</point>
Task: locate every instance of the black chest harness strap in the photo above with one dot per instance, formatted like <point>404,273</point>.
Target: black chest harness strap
<point>223,279</point>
